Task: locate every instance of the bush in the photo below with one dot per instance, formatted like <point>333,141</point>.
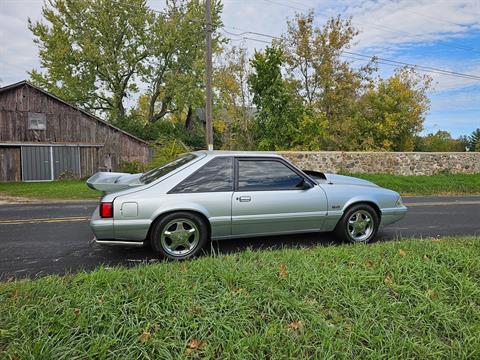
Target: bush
<point>167,150</point>
<point>132,167</point>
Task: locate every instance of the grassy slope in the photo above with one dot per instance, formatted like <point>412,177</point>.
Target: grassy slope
<point>65,189</point>
<point>427,185</point>
<point>408,299</point>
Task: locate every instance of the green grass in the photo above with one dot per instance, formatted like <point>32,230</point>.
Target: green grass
<point>407,299</point>
<point>440,184</point>
<point>63,189</point>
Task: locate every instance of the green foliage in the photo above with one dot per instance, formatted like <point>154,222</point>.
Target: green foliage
<point>233,111</point>
<point>410,299</point>
<point>391,113</point>
<point>324,103</point>
<point>440,141</point>
<point>175,70</point>
<point>300,93</point>
<point>96,54</point>
<point>278,109</point>
<point>90,51</point>
<point>474,140</point>
<point>132,167</point>
<point>167,150</point>
<point>328,85</point>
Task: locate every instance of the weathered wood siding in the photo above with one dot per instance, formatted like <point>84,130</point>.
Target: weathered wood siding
<point>88,160</point>
<point>10,165</point>
<point>66,124</point>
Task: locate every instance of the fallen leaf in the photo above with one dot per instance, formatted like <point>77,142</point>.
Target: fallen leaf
<point>312,301</point>
<point>388,280</point>
<point>194,344</point>
<point>283,271</point>
<point>370,263</point>
<point>431,294</point>
<point>425,257</point>
<point>184,268</point>
<point>295,325</point>
<point>146,335</point>
<point>15,294</point>
<point>76,311</point>
<point>237,290</point>
<point>402,252</point>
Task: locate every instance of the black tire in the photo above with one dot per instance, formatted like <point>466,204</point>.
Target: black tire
<point>344,229</point>
<point>165,246</point>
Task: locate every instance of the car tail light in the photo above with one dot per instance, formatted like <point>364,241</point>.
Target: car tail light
<point>106,209</point>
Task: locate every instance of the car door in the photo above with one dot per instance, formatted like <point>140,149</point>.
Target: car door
<point>272,197</point>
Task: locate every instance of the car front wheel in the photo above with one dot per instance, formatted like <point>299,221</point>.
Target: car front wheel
<point>179,235</point>
<point>359,224</point>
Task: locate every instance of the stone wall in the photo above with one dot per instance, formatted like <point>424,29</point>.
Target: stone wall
<point>399,163</point>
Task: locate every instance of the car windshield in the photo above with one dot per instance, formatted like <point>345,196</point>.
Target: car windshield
<point>157,173</point>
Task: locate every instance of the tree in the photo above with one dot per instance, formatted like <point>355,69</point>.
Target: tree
<point>91,51</point>
<point>174,70</point>
<point>278,108</point>
<point>392,112</point>
<point>234,107</point>
<point>328,84</point>
<point>98,53</point>
<point>440,141</point>
<point>474,140</point>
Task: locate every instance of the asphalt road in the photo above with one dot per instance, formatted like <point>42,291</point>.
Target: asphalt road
<point>40,239</point>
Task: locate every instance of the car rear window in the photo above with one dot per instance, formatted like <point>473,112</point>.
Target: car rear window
<point>215,176</point>
<point>157,173</point>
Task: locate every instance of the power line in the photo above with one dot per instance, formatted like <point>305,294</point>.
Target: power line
<point>373,57</point>
<point>386,28</point>
<point>281,4</point>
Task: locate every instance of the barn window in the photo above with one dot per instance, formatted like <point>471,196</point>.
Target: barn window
<point>37,121</point>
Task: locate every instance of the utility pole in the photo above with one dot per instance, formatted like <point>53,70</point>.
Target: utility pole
<point>208,68</point>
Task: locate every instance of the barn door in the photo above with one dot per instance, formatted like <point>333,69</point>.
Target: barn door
<point>66,161</point>
<point>36,163</point>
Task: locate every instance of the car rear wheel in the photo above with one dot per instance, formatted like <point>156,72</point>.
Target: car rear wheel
<point>180,235</point>
<point>359,224</point>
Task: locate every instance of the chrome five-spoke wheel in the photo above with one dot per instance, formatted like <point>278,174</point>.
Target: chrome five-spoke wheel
<point>180,237</point>
<point>360,225</point>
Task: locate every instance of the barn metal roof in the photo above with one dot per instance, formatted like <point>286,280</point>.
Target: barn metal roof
<point>25,82</point>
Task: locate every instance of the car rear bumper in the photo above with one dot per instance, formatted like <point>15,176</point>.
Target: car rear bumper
<point>391,215</point>
<point>102,228</point>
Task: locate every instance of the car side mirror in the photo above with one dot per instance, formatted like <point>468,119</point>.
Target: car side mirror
<point>304,185</point>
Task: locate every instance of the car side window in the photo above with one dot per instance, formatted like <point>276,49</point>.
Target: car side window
<point>255,175</point>
<point>215,176</point>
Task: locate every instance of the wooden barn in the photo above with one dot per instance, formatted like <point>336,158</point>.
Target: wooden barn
<point>43,138</point>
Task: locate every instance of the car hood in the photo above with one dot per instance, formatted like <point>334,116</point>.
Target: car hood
<point>347,180</point>
<point>113,181</point>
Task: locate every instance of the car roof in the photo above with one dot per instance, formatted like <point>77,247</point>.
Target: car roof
<point>216,153</point>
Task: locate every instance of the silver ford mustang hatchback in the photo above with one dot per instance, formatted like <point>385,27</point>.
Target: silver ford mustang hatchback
<point>180,206</point>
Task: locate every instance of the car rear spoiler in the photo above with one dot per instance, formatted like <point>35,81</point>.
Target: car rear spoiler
<point>113,181</point>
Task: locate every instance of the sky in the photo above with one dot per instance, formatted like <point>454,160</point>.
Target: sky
<point>442,34</point>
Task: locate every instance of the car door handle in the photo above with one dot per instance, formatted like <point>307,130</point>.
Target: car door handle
<point>244,198</point>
